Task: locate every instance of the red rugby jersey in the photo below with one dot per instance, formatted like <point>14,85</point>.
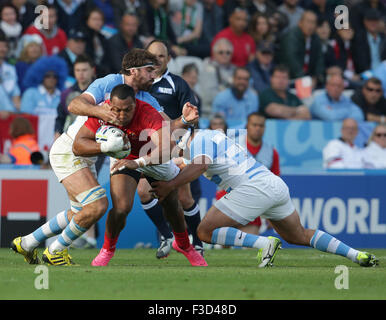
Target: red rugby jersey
<point>146,120</point>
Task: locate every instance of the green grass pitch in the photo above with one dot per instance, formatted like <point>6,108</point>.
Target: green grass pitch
<point>232,275</point>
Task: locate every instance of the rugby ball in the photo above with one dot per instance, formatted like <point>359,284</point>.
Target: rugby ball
<point>104,132</point>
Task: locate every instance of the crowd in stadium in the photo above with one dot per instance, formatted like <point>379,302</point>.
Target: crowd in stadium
<point>287,59</point>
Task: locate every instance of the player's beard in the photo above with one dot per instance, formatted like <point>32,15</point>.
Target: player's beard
<point>145,86</point>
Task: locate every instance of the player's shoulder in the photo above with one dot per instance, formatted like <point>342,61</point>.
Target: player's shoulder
<point>112,78</point>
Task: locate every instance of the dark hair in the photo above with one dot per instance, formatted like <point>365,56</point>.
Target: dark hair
<point>137,58</point>
<point>281,68</point>
<point>165,43</point>
<point>373,80</point>
<point>9,4</point>
<point>220,117</point>
<point>257,114</point>
<point>95,9</point>
<point>122,92</point>
<point>82,58</point>
<point>237,69</point>
<point>190,67</point>
<point>20,126</point>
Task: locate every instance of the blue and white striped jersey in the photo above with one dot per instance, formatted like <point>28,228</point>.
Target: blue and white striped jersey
<point>230,164</point>
<point>100,89</point>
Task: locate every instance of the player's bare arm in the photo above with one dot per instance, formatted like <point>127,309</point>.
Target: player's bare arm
<point>189,117</point>
<point>85,145</point>
<point>187,174</point>
<point>84,105</point>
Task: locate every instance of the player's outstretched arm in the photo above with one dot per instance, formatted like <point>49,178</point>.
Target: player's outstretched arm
<point>84,105</point>
<point>188,174</point>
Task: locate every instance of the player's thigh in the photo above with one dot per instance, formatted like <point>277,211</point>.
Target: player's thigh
<point>122,190</point>
<point>80,181</point>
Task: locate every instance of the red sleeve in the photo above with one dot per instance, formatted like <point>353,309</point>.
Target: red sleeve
<point>92,124</point>
<point>275,163</point>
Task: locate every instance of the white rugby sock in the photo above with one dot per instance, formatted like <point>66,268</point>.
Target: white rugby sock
<point>229,236</point>
<point>51,228</point>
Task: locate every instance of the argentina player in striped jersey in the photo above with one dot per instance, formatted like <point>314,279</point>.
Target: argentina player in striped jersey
<point>253,191</point>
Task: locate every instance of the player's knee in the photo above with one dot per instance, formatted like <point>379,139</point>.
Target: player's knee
<point>98,208</point>
<point>203,233</point>
<point>143,192</point>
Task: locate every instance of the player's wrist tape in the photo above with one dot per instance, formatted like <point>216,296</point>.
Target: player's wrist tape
<point>141,162</point>
<point>184,120</point>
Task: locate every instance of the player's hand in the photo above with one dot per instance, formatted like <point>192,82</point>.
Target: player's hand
<point>114,143</point>
<point>190,112</point>
<point>123,164</point>
<point>107,115</point>
<point>161,189</point>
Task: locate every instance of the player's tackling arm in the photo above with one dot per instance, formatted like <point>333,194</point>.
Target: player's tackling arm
<point>84,143</point>
<point>188,174</point>
<point>84,105</point>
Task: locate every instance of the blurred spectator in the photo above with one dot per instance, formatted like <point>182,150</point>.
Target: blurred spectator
<point>71,14</point>
<point>374,155</point>
<point>262,66</point>
<point>134,7</point>
<point>292,11</point>
<point>23,145</point>
<point>31,50</point>
<point>257,148</point>
<point>324,10</point>
<point>190,74</point>
<point>126,39</point>
<point>26,12</point>
<point>217,122</point>
<point>348,83</point>
<point>158,24</point>
<point>216,74</point>
<point>342,153</point>
<point>76,45</point>
<point>237,102</point>
<point>371,100</point>
<point>260,29</point>
<point>187,20</point>
<point>265,7</point>
<point>230,5</point>
<point>211,25</point>
<point>43,99</point>
<point>333,105</point>
<point>369,47</point>
<point>358,11</point>
<point>9,89</point>
<point>108,12</point>
<point>44,80</point>
<point>96,43</point>
<point>54,38</point>
<point>301,49</point>
<point>342,46</point>
<point>380,73</point>
<point>278,102</point>
<point>84,71</point>
<point>243,44</point>
<point>278,22</point>
<point>11,27</point>
<point>323,30</point>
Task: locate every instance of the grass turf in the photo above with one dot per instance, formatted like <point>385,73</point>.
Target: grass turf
<point>232,275</point>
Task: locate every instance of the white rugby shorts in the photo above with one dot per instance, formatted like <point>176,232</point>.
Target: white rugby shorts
<point>64,162</point>
<point>161,172</point>
<point>265,195</point>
